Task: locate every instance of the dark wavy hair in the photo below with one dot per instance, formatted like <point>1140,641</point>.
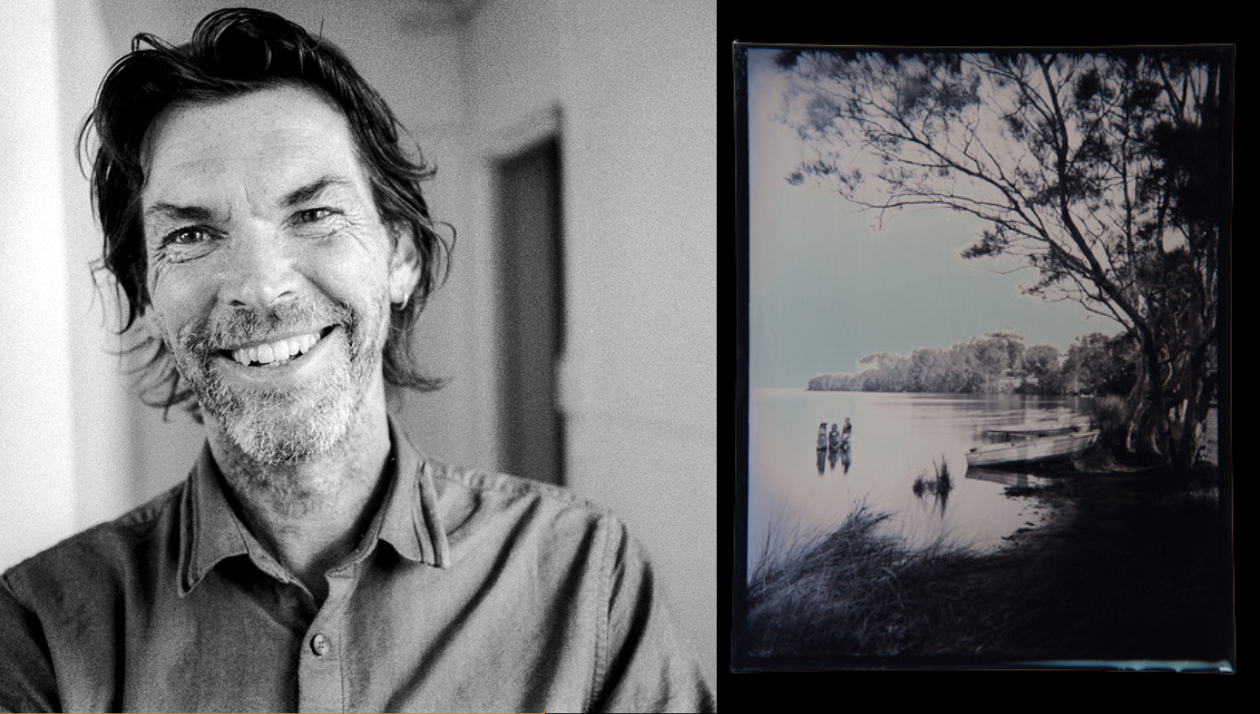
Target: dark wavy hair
<point>235,52</point>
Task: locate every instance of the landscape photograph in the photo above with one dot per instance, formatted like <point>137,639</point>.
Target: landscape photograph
<point>984,358</point>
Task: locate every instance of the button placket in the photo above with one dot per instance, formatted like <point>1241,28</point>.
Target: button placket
<point>321,678</point>
<point>320,675</point>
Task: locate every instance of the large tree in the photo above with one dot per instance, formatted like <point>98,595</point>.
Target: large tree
<point>1106,172</point>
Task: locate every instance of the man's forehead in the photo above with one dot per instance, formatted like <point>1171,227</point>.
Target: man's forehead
<point>276,139</point>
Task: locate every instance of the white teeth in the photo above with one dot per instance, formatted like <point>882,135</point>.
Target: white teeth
<point>275,353</point>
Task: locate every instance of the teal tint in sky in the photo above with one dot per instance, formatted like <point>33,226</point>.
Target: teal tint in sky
<point>825,289</point>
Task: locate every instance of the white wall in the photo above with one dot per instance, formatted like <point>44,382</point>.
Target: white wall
<point>36,424</point>
<point>65,452</point>
<point>103,443</point>
<point>635,86</point>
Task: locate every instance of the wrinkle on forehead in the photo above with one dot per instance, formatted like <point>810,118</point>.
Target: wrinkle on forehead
<point>260,137</point>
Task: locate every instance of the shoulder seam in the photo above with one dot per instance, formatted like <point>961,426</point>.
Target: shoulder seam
<point>516,485</point>
<point>142,515</point>
<point>135,519</point>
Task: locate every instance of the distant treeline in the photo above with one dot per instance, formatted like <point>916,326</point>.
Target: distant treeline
<point>998,363</point>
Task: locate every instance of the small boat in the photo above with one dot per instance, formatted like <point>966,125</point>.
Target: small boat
<point>1028,445</point>
<point>1039,430</point>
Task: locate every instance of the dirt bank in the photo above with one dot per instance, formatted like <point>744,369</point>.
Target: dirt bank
<point>1133,564</point>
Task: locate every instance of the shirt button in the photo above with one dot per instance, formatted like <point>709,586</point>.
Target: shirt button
<point>320,645</point>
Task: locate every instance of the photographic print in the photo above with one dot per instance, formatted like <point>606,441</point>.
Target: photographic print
<point>985,358</point>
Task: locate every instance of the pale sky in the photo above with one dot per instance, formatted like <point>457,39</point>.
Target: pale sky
<point>826,290</point>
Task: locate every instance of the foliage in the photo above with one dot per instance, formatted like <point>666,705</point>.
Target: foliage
<point>1098,364</point>
<point>1107,173</point>
<point>998,362</point>
<point>1107,414</point>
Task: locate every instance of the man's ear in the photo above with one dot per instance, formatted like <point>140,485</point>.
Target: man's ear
<point>404,270</point>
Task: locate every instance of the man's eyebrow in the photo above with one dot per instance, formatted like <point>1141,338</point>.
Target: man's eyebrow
<point>201,214</point>
<point>176,212</point>
<point>305,193</point>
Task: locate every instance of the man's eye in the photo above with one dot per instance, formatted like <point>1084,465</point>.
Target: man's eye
<point>313,215</point>
<point>187,236</point>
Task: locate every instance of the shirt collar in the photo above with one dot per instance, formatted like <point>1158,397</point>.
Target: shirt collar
<point>408,520</point>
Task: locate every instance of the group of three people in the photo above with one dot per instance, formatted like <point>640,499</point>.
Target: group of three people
<point>836,439</point>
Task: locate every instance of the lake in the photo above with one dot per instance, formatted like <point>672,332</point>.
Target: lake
<point>896,439</point>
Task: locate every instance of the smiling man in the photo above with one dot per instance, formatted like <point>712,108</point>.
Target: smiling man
<point>275,248</point>
<point>271,278</point>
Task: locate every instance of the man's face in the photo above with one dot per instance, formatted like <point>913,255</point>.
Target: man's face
<point>270,271</point>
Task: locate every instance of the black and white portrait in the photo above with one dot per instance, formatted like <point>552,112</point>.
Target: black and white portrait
<point>361,356</point>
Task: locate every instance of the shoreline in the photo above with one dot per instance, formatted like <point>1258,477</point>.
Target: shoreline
<point>1129,564</point>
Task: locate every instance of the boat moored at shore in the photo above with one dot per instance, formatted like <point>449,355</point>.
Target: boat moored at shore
<point>1032,445</point>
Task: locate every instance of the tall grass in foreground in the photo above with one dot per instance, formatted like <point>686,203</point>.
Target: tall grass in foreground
<point>856,590</point>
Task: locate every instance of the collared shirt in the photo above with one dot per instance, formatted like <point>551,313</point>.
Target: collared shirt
<point>469,591</point>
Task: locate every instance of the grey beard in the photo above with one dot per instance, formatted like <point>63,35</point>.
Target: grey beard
<point>274,427</point>
<point>277,429</point>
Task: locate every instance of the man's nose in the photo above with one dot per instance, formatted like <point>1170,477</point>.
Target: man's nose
<point>261,271</point>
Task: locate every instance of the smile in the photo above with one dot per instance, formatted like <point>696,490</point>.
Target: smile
<point>277,353</point>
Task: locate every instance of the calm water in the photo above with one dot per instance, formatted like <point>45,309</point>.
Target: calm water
<point>896,438</point>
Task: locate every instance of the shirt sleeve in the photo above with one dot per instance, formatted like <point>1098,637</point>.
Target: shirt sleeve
<point>646,665</point>
<point>27,683</point>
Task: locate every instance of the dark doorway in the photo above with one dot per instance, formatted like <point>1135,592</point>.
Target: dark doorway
<point>531,309</point>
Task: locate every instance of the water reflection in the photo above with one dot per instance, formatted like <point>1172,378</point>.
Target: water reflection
<point>1006,478</point>
<point>902,435</point>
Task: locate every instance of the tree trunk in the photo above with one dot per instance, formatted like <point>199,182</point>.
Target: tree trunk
<point>1149,435</point>
<point>1198,402</point>
<point>1143,424</point>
